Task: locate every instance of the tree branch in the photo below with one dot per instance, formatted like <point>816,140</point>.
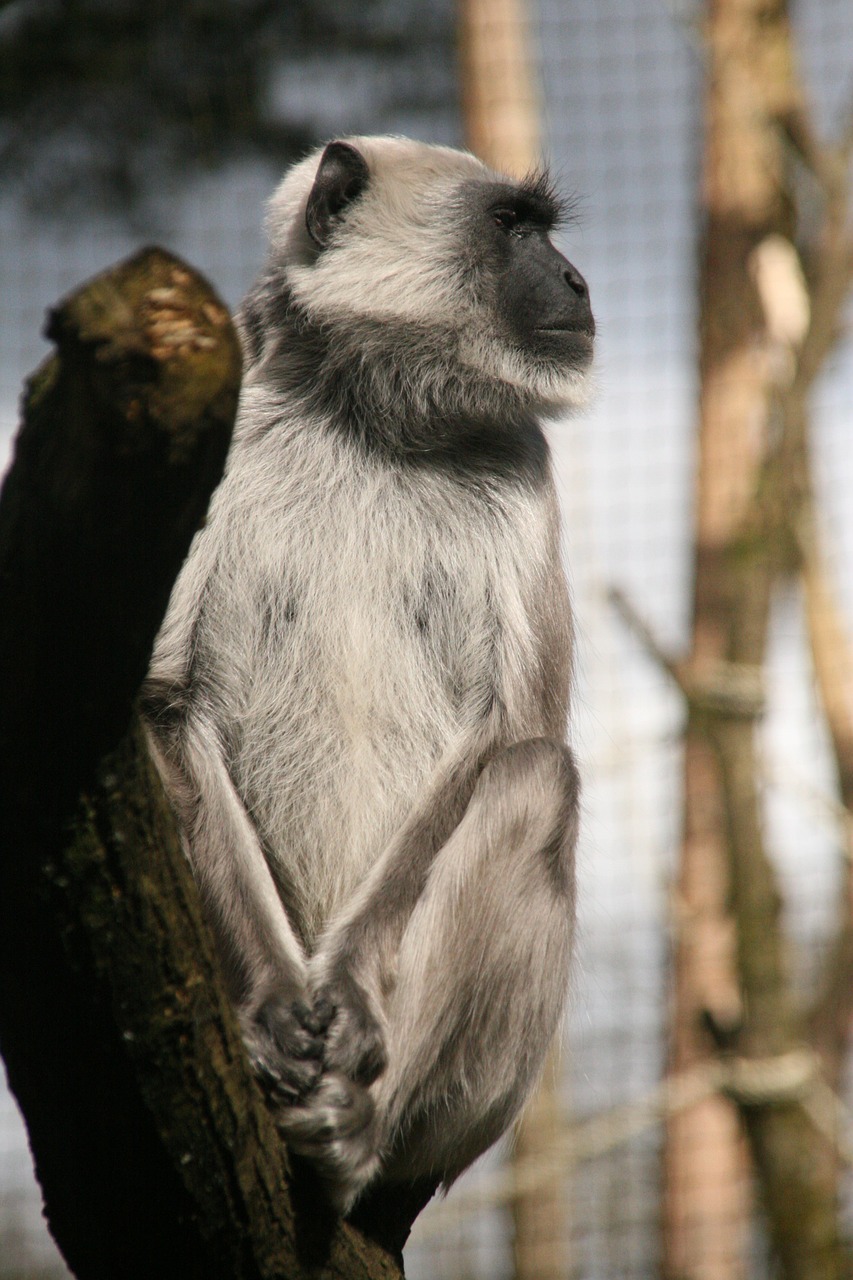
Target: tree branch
<point>152,1143</point>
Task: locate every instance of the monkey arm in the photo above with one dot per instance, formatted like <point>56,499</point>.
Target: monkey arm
<point>265,967</point>
<point>361,943</point>
<point>358,956</point>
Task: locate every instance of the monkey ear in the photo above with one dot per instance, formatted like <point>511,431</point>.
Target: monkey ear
<point>341,177</point>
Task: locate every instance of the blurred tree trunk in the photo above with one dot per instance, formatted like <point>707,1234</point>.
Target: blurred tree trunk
<point>501,114</point>
<point>153,1146</point>
<point>707,1197</point>
<point>500,102</point>
<point>733,992</point>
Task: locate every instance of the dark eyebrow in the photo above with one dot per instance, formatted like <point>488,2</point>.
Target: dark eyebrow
<point>539,200</point>
<point>534,199</point>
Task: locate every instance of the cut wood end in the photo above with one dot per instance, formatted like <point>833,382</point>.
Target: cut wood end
<point>155,328</point>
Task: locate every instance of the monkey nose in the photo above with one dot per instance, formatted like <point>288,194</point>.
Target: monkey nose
<point>575,281</point>
<point>578,305</point>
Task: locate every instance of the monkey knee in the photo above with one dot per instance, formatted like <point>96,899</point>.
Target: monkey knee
<point>537,772</point>
<point>540,759</point>
<point>530,794</point>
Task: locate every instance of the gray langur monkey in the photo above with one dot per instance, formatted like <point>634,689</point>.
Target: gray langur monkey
<point>359,695</point>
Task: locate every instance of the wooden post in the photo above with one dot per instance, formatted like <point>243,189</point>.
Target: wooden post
<point>501,112</point>
<point>500,102</point>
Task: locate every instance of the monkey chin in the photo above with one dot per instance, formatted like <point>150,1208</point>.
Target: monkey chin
<point>560,380</point>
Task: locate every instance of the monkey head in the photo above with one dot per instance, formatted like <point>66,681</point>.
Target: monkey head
<point>410,234</point>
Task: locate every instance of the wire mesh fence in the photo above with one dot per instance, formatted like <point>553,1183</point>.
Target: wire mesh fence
<point>621,93</point>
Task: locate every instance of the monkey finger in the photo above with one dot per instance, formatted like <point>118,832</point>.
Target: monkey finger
<point>355,1044</point>
<point>286,1082</point>
<point>316,1017</point>
<point>324,1011</point>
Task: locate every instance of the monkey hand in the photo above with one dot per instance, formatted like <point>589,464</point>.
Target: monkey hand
<point>355,1043</point>
<point>285,1040</point>
<point>335,1125</point>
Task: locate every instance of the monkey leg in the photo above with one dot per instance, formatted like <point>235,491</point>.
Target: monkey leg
<point>483,968</point>
<point>473,994</point>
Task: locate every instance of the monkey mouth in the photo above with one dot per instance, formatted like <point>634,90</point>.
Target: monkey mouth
<point>558,339</point>
<point>562,329</point>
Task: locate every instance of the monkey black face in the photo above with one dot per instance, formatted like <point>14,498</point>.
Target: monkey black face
<point>540,299</point>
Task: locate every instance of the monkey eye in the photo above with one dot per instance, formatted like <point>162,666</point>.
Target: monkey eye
<point>506,219</point>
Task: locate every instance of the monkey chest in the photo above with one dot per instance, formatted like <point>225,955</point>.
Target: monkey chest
<point>371,668</point>
<point>422,659</point>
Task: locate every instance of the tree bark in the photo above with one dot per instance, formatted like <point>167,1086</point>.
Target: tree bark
<point>153,1146</point>
<point>542,1217</point>
<point>752,441</point>
<point>707,1200</point>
